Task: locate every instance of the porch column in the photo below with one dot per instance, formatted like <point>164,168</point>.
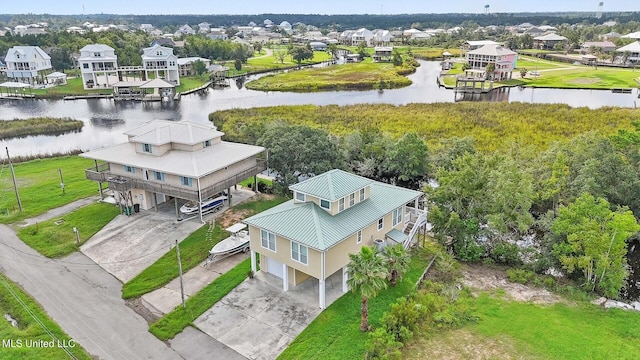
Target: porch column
<point>99,183</point>
<point>155,202</point>
<point>175,200</point>
<point>255,184</point>
<point>253,261</point>
<point>321,290</point>
<point>285,277</point>
<point>229,196</point>
<point>345,276</point>
<point>415,205</point>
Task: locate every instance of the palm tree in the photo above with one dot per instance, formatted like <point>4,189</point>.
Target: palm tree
<point>490,69</point>
<point>367,272</point>
<point>397,262</point>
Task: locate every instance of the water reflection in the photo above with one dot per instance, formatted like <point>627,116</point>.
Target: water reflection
<point>102,116</point>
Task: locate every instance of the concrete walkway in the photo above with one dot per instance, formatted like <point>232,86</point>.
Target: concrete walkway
<point>165,299</point>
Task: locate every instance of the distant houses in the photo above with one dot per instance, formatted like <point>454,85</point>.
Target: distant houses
<point>549,41</point>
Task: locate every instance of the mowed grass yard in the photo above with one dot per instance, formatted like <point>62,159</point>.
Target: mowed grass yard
<point>39,186</point>
<point>364,75</point>
<point>73,87</point>
<point>521,330</point>
<point>584,77</point>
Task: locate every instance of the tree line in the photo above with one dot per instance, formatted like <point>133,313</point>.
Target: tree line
<point>570,205</point>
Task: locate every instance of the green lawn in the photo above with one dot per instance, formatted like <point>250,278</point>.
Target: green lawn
<point>584,77</point>
<point>191,82</point>
<point>193,250</point>
<point>39,186</point>
<point>73,87</point>
<point>249,182</point>
<point>363,75</point>
<point>12,298</point>
<point>561,331</point>
<point>531,63</point>
<point>429,53</point>
<point>174,322</point>
<point>335,333</point>
<point>54,240</point>
<point>261,63</point>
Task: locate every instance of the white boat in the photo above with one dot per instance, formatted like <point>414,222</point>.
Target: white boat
<point>236,243</point>
<point>208,205</point>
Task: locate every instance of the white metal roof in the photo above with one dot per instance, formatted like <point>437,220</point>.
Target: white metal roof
<point>158,132</point>
<point>492,49</point>
<point>56,74</point>
<point>193,164</point>
<point>634,47</point>
<point>27,52</point>
<point>189,60</point>
<point>550,37</point>
<point>96,48</point>
<point>13,84</point>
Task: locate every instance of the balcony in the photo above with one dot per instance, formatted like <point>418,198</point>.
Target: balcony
<point>123,183</point>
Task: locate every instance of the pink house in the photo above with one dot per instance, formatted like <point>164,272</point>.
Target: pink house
<point>503,58</point>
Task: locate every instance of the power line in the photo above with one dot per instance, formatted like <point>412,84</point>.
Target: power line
<point>35,318</point>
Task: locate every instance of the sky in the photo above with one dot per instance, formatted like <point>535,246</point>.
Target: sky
<point>250,7</point>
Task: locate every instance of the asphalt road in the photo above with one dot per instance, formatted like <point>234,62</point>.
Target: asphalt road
<point>83,299</point>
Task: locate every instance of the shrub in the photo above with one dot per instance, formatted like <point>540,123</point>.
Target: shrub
<point>402,320</point>
<point>521,276</point>
<point>383,346</point>
<point>506,253</point>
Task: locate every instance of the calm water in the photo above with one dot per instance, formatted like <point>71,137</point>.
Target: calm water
<point>105,120</point>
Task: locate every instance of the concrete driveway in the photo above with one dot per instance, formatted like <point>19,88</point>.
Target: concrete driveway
<point>258,319</point>
<point>129,244</point>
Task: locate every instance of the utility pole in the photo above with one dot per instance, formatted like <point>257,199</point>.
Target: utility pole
<point>13,176</point>
<point>180,272</point>
<point>61,181</point>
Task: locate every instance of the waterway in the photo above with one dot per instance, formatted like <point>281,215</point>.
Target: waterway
<point>106,120</point>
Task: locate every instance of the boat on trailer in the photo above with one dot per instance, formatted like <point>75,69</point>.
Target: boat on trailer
<point>238,242</point>
<point>211,204</point>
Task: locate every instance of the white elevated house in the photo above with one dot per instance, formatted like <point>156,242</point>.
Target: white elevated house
<point>381,37</point>
<point>164,160</point>
<point>98,66</point>
<point>629,53</point>
<point>186,65</point>
<point>159,62</point>
<point>27,64</point>
<point>476,44</point>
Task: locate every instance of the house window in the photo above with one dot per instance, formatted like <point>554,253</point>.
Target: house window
<point>268,240</point>
<point>85,66</point>
<point>207,143</point>
<point>341,204</point>
<point>359,237</point>
<point>380,224</point>
<point>362,194</point>
<point>299,253</point>
<point>396,216</point>
<point>186,181</point>
<point>352,199</point>
<point>325,204</point>
<point>301,197</point>
<point>96,54</point>
<point>146,148</point>
<point>130,169</point>
<point>158,175</point>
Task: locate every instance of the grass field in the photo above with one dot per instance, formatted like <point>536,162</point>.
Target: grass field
<point>57,240</point>
<point>335,333</point>
<point>39,186</point>
<point>363,75</point>
<point>520,330</point>
<point>584,77</point>
<point>261,63</point>
<point>73,87</point>
<point>193,250</point>
<point>23,308</point>
<point>191,82</point>
<point>492,125</point>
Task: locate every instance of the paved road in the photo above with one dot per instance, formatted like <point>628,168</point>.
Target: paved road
<point>83,299</point>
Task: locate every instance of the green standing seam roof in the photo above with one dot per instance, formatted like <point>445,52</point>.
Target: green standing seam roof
<point>396,235</point>
<point>308,224</point>
<point>332,185</point>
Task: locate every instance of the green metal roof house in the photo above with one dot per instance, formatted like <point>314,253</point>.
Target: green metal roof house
<point>332,215</point>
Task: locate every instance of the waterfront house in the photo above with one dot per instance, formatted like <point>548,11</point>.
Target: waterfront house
<point>549,41</point>
<point>98,66</point>
<point>332,215</point>
<point>589,47</point>
<point>27,64</point>
<point>382,53</point>
<point>629,53</point>
<point>159,62</point>
<point>186,65</point>
<point>504,61</point>
<point>164,160</point>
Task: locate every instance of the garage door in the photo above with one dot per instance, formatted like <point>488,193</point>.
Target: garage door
<point>274,267</point>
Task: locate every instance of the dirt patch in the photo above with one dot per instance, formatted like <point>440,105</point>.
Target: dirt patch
<point>484,278</point>
<point>584,81</point>
<point>136,305</point>
<point>461,344</point>
<point>233,216</point>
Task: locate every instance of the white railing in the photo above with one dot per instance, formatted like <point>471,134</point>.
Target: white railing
<point>421,221</point>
